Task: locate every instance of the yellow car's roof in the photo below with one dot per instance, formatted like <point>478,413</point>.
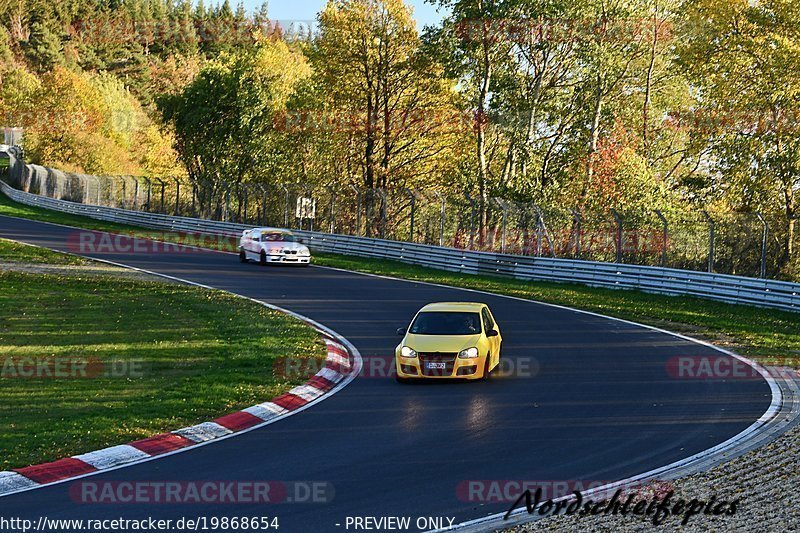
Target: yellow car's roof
<point>454,306</point>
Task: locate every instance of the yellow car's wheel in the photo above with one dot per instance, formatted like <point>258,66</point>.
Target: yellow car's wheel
<point>486,373</point>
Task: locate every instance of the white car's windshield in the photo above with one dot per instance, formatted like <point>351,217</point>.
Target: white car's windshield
<point>278,237</point>
<point>446,323</point>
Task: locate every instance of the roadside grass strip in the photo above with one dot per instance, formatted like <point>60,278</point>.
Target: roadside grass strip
<point>143,449</point>
<point>70,314</point>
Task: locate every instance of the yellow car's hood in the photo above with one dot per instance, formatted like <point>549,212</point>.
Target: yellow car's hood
<point>441,343</point>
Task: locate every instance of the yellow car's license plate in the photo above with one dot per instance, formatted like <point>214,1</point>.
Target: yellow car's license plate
<point>435,366</point>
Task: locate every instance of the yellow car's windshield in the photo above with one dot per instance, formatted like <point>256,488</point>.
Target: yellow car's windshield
<point>446,323</point>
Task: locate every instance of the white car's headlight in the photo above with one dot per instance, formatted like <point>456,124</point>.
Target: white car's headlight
<point>304,251</point>
<point>469,353</point>
<point>405,351</point>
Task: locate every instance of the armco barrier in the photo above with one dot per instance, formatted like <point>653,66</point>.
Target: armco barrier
<point>720,287</point>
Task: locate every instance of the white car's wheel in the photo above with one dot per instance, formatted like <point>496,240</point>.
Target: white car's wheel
<point>242,256</point>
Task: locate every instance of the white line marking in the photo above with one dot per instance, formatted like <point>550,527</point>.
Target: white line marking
<point>113,456</point>
<point>203,432</point>
<point>12,481</point>
<point>329,374</point>
<point>307,392</point>
<point>266,410</point>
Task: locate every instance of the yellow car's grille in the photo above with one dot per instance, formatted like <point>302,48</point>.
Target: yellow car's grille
<point>444,362</point>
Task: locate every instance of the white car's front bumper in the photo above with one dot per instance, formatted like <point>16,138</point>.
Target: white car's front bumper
<point>289,259</point>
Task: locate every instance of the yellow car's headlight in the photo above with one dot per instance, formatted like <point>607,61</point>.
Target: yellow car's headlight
<point>405,351</point>
<point>469,353</point>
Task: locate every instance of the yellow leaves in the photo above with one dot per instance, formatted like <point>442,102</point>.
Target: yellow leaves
<point>84,123</point>
<point>276,68</point>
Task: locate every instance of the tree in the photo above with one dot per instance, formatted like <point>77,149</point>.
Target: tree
<point>744,58</point>
<point>369,62</point>
<point>223,120</point>
<point>476,53</point>
<point>44,48</point>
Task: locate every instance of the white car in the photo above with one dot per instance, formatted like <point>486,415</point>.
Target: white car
<point>270,245</point>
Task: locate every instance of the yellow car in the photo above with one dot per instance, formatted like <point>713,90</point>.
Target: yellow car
<point>449,340</point>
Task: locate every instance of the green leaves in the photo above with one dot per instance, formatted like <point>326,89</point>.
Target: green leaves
<point>743,56</point>
<point>223,119</point>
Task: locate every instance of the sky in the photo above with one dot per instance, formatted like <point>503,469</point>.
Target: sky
<point>306,10</point>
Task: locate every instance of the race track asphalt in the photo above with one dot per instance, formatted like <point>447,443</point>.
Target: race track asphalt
<point>589,399</point>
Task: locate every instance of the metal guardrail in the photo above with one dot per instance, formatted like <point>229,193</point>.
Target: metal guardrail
<point>719,287</point>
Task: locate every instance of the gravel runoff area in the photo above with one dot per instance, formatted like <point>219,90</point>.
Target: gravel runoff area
<point>764,481</point>
<point>93,269</point>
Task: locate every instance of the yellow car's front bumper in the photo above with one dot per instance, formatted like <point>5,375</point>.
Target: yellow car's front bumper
<point>457,368</point>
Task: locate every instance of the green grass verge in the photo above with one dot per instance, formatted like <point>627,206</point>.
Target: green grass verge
<point>180,355</point>
<point>761,333</point>
<point>15,252</point>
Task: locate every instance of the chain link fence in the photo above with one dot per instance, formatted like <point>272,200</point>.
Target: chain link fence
<point>747,244</point>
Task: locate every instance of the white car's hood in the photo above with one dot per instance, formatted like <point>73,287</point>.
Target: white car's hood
<point>288,246</point>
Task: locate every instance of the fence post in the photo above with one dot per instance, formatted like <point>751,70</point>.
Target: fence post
<point>369,211</point>
<point>332,190</point>
<point>358,208</point>
<point>110,181</point>
<point>764,237</point>
<point>665,237</point>
<point>712,234</point>
<point>413,198</point>
<point>135,193</point>
<point>309,192</point>
<point>618,218</point>
<point>86,188</point>
<point>285,206</point>
<point>263,203</point>
<point>124,192</point>
<point>246,189</point>
<point>504,208</point>
<point>578,218</point>
<point>226,215</point>
<point>149,208</point>
<point>97,180</point>
<point>442,204</point>
<point>540,223</point>
<point>163,186</point>
<point>382,194</point>
<point>177,196</point>
<point>471,221</point>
